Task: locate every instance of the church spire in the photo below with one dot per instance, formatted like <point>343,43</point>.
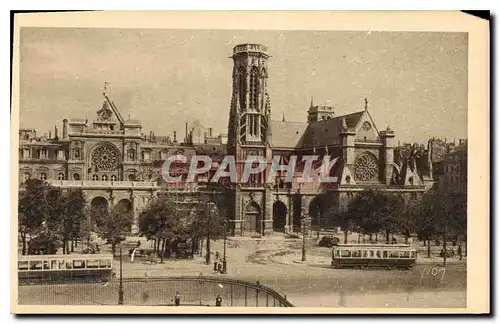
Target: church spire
<point>366,104</point>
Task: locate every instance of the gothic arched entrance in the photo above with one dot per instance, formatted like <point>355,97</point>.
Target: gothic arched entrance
<point>253,218</point>
<point>279,216</point>
<point>99,210</point>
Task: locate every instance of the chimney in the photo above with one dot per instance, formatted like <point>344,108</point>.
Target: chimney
<point>210,131</point>
<point>50,134</point>
<point>186,132</point>
<point>56,135</point>
<point>175,137</point>
<point>65,129</point>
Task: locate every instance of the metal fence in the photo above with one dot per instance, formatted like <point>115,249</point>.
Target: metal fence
<point>194,291</point>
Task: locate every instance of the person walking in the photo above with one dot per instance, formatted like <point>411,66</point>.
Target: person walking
<point>218,301</point>
<point>177,299</point>
<point>460,251</point>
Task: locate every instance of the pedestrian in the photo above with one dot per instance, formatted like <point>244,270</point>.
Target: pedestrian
<point>217,255</point>
<point>215,266</point>
<point>219,267</point>
<point>177,299</point>
<point>218,301</point>
<point>460,251</point>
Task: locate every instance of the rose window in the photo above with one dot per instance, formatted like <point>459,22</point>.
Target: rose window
<point>366,167</point>
<point>106,158</point>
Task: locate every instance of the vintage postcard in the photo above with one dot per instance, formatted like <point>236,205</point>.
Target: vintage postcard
<point>264,162</point>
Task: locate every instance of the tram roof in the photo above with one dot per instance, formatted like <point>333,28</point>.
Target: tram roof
<point>65,257</point>
<point>374,245</point>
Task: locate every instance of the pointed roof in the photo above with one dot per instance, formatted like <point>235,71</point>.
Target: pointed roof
<point>318,133</point>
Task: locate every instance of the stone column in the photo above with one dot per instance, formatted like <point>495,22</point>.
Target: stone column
<point>267,221</point>
<point>237,211</point>
<point>135,211</point>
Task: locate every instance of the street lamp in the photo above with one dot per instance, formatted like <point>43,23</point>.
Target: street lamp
<point>224,262</point>
<point>120,287</point>
<point>304,216</point>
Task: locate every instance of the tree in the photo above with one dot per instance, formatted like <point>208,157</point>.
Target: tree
<point>74,217</point>
<point>31,209</point>
<point>162,221</point>
<point>443,212</point>
<point>208,222</point>
<point>111,225</point>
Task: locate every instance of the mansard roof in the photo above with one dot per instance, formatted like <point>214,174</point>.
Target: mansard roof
<point>314,134</point>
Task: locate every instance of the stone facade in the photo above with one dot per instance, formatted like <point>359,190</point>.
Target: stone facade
<point>113,161</point>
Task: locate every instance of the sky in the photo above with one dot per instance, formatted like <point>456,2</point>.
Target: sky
<point>415,82</point>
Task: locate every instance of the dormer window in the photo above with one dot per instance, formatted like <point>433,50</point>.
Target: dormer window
<point>26,153</point>
<point>95,177</point>
<point>145,156</point>
<point>104,178</point>
<point>60,155</point>
<point>348,179</point>
<point>60,176</point>
<point>43,153</point>
<point>113,178</point>
<point>43,176</point>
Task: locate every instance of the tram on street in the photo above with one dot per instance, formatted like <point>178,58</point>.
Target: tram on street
<point>390,256</point>
<point>95,267</point>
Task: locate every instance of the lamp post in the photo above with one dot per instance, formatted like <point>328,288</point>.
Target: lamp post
<point>120,287</point>
<point>224,262</point>
<point>304,236</point>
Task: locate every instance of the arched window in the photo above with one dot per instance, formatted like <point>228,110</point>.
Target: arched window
<point>131,177</point>
<point>76,176</point>
<point>104,178</point>
<point>95,177</point>
<point>254,88</point>
<point>60,176</point>
<point>242,80</point>
<point>76,153</point>
<point>26,176</point>
<point>113,178</point>
<point>43,176</point>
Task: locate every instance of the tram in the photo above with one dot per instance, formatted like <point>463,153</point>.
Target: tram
<point>45,268</point>
<point>390,256</point>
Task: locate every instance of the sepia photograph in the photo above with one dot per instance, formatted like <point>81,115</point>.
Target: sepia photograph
<point>187,168</point>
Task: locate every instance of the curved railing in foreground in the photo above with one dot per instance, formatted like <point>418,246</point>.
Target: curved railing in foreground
<point>150,291</point>
<point>283,302</point>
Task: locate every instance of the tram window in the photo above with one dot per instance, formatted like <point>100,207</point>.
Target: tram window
<point>393,254</point>
<point>345,254</point>
<point>412,254</point>
<point>378,254</point>
<point>93,264</point>
<point>69,265</point>
<point>78,264</point>
<point>405,254</point>
<point>23,265</point>
<point>337,253</point>
<point>365,254</point>
<point>36,265</point>
<point>371,254</point>
<point>356,254</point>
<point>46,265</point>
<point>384,254</point>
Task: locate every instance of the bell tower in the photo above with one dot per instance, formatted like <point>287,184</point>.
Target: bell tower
<point>249,136</point>
<point>250,104</point>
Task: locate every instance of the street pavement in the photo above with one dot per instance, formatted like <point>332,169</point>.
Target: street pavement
<point>275,262</point>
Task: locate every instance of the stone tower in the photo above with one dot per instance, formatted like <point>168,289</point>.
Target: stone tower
<point>249,135</point>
